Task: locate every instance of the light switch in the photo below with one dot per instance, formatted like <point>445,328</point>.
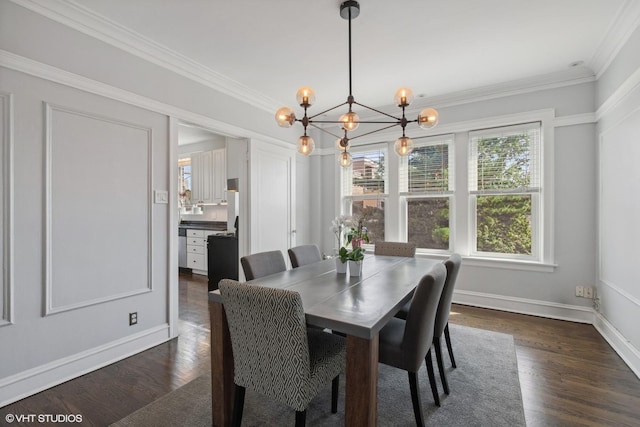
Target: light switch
<point>161,196</point>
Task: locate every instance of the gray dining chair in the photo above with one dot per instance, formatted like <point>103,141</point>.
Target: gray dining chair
<point>262,264</point>
<point>395,249</point>
<point>442,317</point>
<point>274,353</point>
<point>304,254</point>
<point>452,265</point>
<point>404,344</point>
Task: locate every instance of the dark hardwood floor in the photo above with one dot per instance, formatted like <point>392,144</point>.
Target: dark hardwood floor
<point>568,373</point>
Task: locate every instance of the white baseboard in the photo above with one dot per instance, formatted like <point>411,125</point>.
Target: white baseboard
<point>620,344</point>
<point>627,352</point>
<point>552,310</point>
<point>32,381</point>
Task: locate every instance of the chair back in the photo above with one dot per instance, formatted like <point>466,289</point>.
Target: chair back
<point>262,264</point>
<point>418,331</point>
<point>268,338</point>
<point>304,254</point>
<point>444,306</point>
<point>395,249</point>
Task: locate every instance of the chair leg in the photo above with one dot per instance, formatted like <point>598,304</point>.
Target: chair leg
<point>443,376</point>
<point>415,398</point>
<point>238,406</point>
<point>335,385</point>
<point>432,378</point>
<point>301,418</point>
<point>447,338</point>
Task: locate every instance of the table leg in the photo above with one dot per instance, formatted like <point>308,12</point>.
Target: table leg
<point>361,405</point>
<point>221,367</point>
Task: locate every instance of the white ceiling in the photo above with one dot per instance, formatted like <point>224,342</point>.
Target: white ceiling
<point>271,48</point>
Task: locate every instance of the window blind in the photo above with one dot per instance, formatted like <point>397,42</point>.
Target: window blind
<point>428,169</point>
<point>367,173</point>
<point>505,160</point>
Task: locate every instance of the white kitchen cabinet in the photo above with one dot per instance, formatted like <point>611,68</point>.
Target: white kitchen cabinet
<point>219,174</point>
<point>209,176</point>
<point>197,250</point>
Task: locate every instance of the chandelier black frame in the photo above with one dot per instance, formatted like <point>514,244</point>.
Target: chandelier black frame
<point>427,118</point>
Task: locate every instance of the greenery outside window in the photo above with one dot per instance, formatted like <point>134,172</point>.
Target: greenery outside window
<point>426,190</point>
<point>504,191</point>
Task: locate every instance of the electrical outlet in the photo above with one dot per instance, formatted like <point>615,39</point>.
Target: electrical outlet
<point>579,291</point>
<point>588,292</point>
<point>133,318</point>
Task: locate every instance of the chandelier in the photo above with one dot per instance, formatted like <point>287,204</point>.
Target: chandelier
<point>350,121</point>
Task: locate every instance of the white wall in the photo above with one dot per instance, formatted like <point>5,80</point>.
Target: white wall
<point>55,327</point>
<point>618,204</point>
<point>74,282</point>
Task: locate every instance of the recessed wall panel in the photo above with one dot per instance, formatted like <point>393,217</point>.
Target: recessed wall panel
<point>98,240</point>
<point>6,306</point>
<point>619,205</point>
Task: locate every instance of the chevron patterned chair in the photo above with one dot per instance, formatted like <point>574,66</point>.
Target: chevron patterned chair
<point>274,353</point>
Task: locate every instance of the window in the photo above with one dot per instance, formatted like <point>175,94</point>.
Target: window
<point>426,188</point>
<point>476,192</point>
<point>504,190</point>
<point>184,182</point>
<point>365,190</point>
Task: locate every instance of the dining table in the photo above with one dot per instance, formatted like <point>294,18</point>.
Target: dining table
<point>356,306</point>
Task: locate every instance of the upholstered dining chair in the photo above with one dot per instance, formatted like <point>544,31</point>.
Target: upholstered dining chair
<point>304,254</point>
<point>262,264</point>
<point>404,344</point>
<point>442,317</point>
<point>274,353</point>
<point>395,249</point>
<point>452,264</point>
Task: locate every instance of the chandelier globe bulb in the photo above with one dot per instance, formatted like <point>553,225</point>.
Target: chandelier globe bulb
<point>350,121</point>
<point>345,159</point>
<point>305,96</point>
<point>403,146</point>
<point>428,118</point>
<point>285,117</point>
<point>306,144</point>
<point>403,97</point>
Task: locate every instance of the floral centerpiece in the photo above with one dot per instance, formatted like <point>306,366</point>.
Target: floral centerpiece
<point>349,231</point>
<point>357,233</point>
<point>338,227</point>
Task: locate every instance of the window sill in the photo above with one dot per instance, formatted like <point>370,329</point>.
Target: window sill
<point>504,264</point>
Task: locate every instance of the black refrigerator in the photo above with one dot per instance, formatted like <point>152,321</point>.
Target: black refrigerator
<point>222,259</point>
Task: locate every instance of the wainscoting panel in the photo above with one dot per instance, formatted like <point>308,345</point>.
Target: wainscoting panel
<point>97,168</point>
<point>6,215</point>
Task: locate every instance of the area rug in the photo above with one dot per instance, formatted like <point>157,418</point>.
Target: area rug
<point>485,391</point>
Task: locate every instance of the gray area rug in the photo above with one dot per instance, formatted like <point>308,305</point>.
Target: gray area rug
<point>485,391</point>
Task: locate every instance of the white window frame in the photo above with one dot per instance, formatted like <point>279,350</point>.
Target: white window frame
<point>534,191</point>
<point>346,183</point>
<point>460,226</point>
<point>405,195</point>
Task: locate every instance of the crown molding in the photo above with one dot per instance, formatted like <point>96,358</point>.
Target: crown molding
<point>74,15</point>
<point>622,27</point>
<point>38,69</point>
<point>78,17</point>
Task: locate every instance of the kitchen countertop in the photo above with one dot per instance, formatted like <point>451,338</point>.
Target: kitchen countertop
<point>204,225</point>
